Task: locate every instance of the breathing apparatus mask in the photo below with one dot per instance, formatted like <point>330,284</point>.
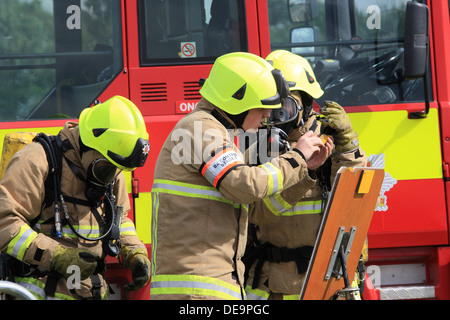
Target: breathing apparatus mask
<point>100,177</point>
<point>286,117</point>
<point>273,136</point>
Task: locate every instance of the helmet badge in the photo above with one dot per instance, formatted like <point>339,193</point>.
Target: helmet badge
<point>146,149</point>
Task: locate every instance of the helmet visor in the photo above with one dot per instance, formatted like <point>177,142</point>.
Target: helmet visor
<point>282,89</point>
<point>136,159</point>
<point>287,113</point>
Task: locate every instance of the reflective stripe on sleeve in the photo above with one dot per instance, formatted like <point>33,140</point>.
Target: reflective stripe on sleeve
<point>279,207</point>
<point>19,244</point>
<point>275,178</point>
<point>127,229</point>
<point>273,200</point>
<point>194,285</point>
<point>276,204</point>
<point>305,207</point>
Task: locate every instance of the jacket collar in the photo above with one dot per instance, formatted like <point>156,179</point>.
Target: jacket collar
<point>219,114</point>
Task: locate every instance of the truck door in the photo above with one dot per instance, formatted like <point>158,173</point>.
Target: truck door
<point>172,44</point>
<point>356,50</point>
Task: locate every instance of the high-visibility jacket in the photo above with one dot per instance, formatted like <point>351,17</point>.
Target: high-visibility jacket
<point>201,194</point>
<point>295,227</point>
<point>26,232</point>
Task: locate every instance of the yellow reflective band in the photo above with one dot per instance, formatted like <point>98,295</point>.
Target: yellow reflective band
<point>276,204</point>
<point>275,178</point>
<point>194,285</point>
<point>127,229</point>
<point>36,287</point>
<point>190,190</point>
<point>155,208</point>
<point>305,207</point>
<point>411,147</point>
<point>19,244</point>
<point>256,294</point>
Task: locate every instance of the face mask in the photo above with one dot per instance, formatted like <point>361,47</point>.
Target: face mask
<point>100,175</point>
<point>286,117</point>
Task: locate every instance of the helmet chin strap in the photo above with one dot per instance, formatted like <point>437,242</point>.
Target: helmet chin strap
<point>307,102</point>
<point>237,119</point>
<point>83,148</point>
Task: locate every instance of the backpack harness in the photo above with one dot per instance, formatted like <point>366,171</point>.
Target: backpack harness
<point>55,148</point>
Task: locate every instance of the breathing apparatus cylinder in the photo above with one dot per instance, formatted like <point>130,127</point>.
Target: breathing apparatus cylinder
<point>12,143</point>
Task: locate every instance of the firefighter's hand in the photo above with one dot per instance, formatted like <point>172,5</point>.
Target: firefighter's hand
<point>63,258</point>
<point>308,145</point>
<point>335,117</point>
<point>139,265</point>
<point>319,158</point>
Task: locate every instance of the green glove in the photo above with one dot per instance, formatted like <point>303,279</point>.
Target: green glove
<point>63,258</point>
<point>335,117</point>
<point>139,265</point>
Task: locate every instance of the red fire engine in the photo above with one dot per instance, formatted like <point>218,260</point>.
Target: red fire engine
<point>58,57</point>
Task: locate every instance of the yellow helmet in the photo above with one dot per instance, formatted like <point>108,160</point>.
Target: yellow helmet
<point>117,130</point>
<point>241,81</point>
<point>298,72</point>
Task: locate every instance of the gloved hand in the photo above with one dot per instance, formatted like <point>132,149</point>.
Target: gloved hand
<point>65,257</point>
<point>335,117</point>
<point>139,265</point>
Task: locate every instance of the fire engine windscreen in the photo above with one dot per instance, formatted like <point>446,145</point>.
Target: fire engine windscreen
<point>195,31</point>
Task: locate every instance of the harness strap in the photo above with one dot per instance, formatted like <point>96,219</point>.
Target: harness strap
<point>96,287</point>
<point>271,253</point>
<point>51,283</point>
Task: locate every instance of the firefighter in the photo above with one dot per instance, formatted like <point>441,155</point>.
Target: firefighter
<point>282,237</point>
<point>202,188</point>
<point>55,249</point>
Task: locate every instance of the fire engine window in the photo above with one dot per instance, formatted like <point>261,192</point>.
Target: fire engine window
<point>188,32</point>
<point>56,56</point>
<point>354,46</point>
